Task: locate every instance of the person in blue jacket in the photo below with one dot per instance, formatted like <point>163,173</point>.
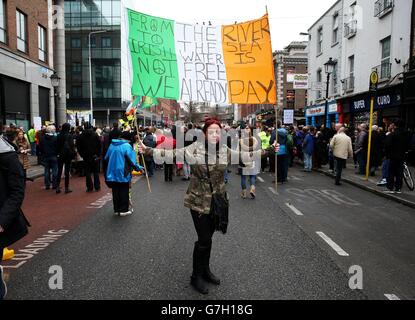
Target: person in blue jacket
<point>121,159</point>
<point>308,149</point>
<point>282,154</point>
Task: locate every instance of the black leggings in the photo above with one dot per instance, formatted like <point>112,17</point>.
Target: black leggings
<point>205,228</point>
<point>168,172</point>
<point>67,163</point>
<point>121,197</point>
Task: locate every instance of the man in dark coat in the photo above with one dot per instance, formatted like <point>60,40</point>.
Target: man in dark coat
<point>49,151</point>
<point>13,225</point>
<point>376,150</point>
<point>66,153</point>
<point>396,146</point>
<point>361,148</point>
<point>150,141</point>
<point>89,148</point>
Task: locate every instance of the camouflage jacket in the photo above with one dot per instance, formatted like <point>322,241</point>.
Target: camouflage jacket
<point>198,196</point>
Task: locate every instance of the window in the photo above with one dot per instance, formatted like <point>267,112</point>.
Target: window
<point>383,7</point>
<point>320,40</point>
<point>42,43</point>
<point>21,31</point>
<point>75,43</point>
<point>107,93</point>
<point>76,91</point>
<point>335,77</point>
<point>353,12</point>
<point>351,65</point>
<point>76,68</point>
<point>319,81</point>
<point>106,42</point>
<point>350,81</point>
<point>336,28</point>
<point>385,70</point>
<point>3,34</point>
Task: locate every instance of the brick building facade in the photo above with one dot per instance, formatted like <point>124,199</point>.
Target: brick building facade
<point>26,61</point>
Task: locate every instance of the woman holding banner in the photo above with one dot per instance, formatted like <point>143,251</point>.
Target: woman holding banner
<point>206,195</point>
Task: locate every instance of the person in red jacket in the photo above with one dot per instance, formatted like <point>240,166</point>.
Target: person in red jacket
<point>168,142</point>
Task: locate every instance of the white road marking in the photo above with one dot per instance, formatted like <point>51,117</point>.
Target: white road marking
<point>332,244</point>
<point>273,191</point>
<point>260,179</point>
<point>294,209</point>
<point>392,297</point>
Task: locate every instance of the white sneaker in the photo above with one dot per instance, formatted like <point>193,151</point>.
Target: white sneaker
<point>382,182</point>
<point>116,214</point>
<point>125,214</point>
<point>3,287</point>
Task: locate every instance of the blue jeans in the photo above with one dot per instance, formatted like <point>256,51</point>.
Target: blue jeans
<point>186,170</point>
<point>361,161</point>
<point>51,163</point>
<point>385,169</point>
<point>252,181</point>
<point>33,148</point>
<point>308,161</point>
<point>150,166</point>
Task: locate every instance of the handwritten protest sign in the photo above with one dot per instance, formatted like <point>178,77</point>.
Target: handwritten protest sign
<point>201,63</point>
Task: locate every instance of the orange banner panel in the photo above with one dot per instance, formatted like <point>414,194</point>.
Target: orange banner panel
<point>249,62</point>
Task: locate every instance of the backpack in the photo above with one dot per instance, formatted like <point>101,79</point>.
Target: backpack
<point>69,151</point>
<point>290,142</point>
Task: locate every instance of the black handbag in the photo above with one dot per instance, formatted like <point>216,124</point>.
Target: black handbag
<point>219,207</point>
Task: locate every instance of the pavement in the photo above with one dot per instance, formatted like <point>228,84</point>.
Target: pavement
<point>35,171</point>
<point>349,176</point>
<point>301,241</point>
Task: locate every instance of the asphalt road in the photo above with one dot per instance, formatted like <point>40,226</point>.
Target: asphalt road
<point>270,252</point>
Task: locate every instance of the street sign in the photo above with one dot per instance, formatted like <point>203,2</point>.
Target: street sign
<point>374,80</point>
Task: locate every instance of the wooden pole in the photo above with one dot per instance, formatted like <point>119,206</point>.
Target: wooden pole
<point>275,154</point>
<point>142,156</point>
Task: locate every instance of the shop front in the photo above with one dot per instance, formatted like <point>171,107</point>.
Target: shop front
<point>387,107</point>
<point>315,115</point>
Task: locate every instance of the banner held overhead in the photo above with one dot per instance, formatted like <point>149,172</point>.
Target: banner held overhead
<point>201,63</point>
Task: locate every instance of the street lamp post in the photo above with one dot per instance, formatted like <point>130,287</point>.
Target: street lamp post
<point>329,68</point>
<point>54,78</point>
<point>90,73</point>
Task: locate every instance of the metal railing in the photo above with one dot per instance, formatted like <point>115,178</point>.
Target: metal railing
<point>348,84</point>
<point>350,29</point>
<point>384,70</point>
<point>383,7</point>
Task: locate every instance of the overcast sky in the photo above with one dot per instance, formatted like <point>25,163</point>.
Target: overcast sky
<point>287,17</point>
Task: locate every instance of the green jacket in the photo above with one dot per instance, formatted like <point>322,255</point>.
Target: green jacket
<point>264,140</point>
<point>31,135</point>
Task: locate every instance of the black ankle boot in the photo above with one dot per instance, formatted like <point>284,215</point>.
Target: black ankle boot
<point>199,284</point>
<point>198,269</point>
<point>207,273</point>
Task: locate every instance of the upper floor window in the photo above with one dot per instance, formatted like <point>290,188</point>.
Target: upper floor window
<point>320,40</point>
<point>385,70</point>
<point>3,34</point>
<point>21,31</point>
<point>319,81</point>
<point>383,7</point>
<point>75,43</point>
<point>42,43</point>
<point>106,42</point>
<point>336,28</point>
